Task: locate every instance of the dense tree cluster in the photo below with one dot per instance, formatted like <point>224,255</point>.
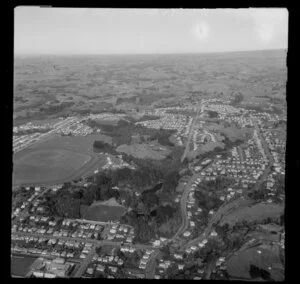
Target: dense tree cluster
<point>256,272</point>
<point>171,181</point>
<point>54,109</point>
<point>139,178</point>
<point>162,137</point>
<point>62,204</point>
<point>126,100</point>
<point>238,98</point>
<point>146,222</point>
<point>205,201</point>
<point>100,146</point>
<point>205,196</point>
<point>148,117</point>
<point>147,212</point>
<point>212,114</point>
<point>123,131</point>
<point>258,195</point>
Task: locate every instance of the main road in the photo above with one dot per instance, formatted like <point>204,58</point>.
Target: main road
<point>45,136</point>
<point>150,269</point>
<point>225,208</point>
<point>188,186</point>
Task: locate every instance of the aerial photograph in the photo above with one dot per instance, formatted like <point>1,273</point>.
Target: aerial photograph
<point>149,143</point>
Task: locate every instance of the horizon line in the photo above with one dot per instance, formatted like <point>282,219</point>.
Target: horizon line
<point>146,53</point>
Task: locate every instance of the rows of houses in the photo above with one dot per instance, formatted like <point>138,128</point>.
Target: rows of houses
<point>145,258</point>
<point>112,165</point>
<point>46,268</point>
<point>277,149</point>
<point>168,121</point>
<point>77,129</point>
<point>47,246</point>
<point>223,109</point>
<point>24,141</point>
<point>108,260</point>
<point>120,232</point>
<point>33,126</point>
<point>105,116</point>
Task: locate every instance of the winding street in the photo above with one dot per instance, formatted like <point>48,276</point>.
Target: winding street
<point>183,201</point>
<point>184,196</point>
<point>150,268</point>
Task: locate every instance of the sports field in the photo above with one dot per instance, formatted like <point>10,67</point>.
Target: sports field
<point>20,265</point>
<point>57,160</point>
<point>45,165</point>
<point>103,212</point>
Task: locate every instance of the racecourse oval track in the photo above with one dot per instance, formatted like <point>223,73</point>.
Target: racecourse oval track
<point>49,164</point>
<point>45,165</point>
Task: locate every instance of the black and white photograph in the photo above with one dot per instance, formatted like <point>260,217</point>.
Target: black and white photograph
<point>149,143</point>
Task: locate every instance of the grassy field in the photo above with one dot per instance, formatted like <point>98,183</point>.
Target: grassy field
<point>103,211</point>
<point>20,265</point>
<point>259,211</point>
<point>58,158</point>
<point>142,151</point>
<point>239,265</point>
<point>75,143</point>
<point>208,147</point>
<point>45,165</point>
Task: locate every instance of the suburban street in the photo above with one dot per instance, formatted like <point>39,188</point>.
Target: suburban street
<point>188,186</point>
<point>95,242</point>
<point>150,268</point>
<point>183,202</point>
<point>47,135</point>
<point>84,264</point>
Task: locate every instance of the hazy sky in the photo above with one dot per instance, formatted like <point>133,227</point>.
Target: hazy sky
<point>101,31</point>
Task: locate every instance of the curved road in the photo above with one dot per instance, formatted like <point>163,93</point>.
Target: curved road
<point>225,208</point>
<point>187,189</point>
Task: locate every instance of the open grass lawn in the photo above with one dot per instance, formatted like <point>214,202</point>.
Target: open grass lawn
<point>103,213</point>
<point>76,143</point>
<point>142,151</point>
<point>45,165</point>
<point>239,265</point>
<point>57,158</point>
<point>259,211</point>
<point>20,265</point>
